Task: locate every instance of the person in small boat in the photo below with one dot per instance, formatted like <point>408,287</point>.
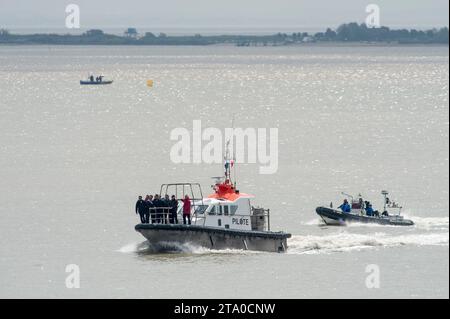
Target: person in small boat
<point>186,210</point>
<point>369,210</point>
<point>361,203</point>
<point>345,207</point>
<point>91,78</point>
<point>140,209</point>
<point>173,210</point>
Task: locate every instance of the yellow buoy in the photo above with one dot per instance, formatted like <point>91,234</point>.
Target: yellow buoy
<point>149,83</point>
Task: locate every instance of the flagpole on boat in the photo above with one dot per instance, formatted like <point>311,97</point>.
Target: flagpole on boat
<point>234,155</point>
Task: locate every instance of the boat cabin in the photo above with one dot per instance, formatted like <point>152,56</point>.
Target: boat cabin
<point>226,208</point>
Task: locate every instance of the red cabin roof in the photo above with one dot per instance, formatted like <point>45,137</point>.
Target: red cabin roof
<point>228,192</point>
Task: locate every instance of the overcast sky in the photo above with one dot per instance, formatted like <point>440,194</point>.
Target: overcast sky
<point>221,14</point>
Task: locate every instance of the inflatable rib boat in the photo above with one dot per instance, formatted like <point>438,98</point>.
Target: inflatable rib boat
<point>335,217</point>
<point>359,212</point>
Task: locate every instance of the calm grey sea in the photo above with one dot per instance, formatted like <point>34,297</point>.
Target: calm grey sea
<point>350,118</point>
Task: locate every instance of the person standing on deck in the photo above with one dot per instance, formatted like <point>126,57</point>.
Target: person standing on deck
<point>151,209</point>
<point>186,209</point>
<point>173,210</point>
<point>140,209</point>
<point>148,206</point>
<point>158,203</point>
<point>167,217</point>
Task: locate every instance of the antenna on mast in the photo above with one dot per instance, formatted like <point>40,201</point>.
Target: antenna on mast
<point>230,161</point>
<point>234,154</point>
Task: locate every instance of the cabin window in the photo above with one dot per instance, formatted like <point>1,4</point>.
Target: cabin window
<point>233,209</point>
<point>219,210</point>
<point>212,211</point>
<point>219,222</point>
<point>225,210</point>
<point>201,209</point>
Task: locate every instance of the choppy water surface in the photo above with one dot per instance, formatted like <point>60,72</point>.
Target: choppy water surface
<point>354,119</point>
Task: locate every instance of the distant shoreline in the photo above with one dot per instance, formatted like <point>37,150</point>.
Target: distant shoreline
<point>298,45</point>
<point>345,35</point>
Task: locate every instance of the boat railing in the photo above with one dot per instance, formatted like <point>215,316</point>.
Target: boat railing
<point>163,215</point>
<point>160,215</point>
<point>193,190</point>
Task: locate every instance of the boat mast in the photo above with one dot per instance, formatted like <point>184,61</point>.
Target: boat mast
<point>234,155</point>
<point>234,167</point>
<point>227,162</point>
<point>230,161</point>
<point>385,193</point>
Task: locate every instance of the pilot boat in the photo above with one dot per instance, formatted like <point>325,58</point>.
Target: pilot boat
<point>225,219</point>
<point>390,216</point>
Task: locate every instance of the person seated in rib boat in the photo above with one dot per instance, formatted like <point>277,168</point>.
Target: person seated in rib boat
<point>345,207</point>
<point>369,210</point>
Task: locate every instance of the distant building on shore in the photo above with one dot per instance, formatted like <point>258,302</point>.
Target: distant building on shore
<point>131,33</point>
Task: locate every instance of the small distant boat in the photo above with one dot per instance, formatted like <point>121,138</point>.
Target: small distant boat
<point>357,214</point>
<point>95,81</point>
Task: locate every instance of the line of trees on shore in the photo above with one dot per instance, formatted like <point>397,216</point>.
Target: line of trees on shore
<point>349,32</point>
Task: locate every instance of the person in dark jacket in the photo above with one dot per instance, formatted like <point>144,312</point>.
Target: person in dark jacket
<point>166,199</point>
<point>159,204</point>
<point>166,215</point>
<point>151,209</point>
<point>148,206</point>
<point>140,209</point>
<point>345,207</point>
<point>173,210</point>
<point>369,210</point>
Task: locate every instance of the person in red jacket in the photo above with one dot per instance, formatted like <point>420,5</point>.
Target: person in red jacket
<point>186,209</point>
